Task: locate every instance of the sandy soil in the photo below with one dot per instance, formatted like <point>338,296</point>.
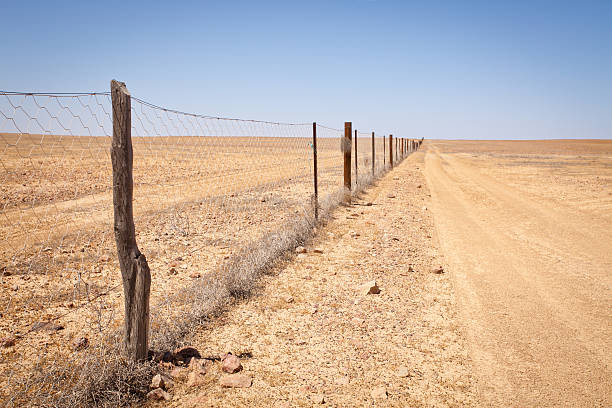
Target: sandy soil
<point>197,200</point>
<point>312,335</point>
<point>525,231</point>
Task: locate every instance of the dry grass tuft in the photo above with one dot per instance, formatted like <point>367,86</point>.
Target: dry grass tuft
<point>103,377</point>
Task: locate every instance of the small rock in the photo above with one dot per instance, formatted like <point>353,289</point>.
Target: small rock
<point>289,299</point>
<point>419,186</point>
<point>104,258</point>
<point>390,196</point>
<point>172,271</point>
<point>395,178</point>
<point>369,288</point>
<point>195,379</point>
<point>195,275</point>
<point>300,250</point>
<point>438,270</point>
<point>368,204</point>
<point>410,268</point>
<point>262,199</point>
<point>403,372</point>
<point>317,251</point>
<point>379,393</point>
<point>80,344</point>
<point>8,341</point>
<point>49,326</point>
<point>236,381</point>
<point>301,256</point>
<point>424,208</point>
<point>159,395</point>
<point>178,373</point>
<point>231,364</point>
<point>157,382</point>
<point>199,366</point>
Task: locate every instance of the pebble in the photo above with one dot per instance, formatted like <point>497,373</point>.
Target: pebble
<point>231,364</point>
<point>369,288</point>
<point>379,393</point>
<point>159,395</point>
<point>236,381</point>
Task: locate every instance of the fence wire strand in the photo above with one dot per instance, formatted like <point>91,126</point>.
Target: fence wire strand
<point>206,190</point>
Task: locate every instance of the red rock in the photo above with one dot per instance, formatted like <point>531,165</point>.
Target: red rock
<point>231,364</point>
<point>369,288</point>
<point>159,395</point>
<point>236,381</point>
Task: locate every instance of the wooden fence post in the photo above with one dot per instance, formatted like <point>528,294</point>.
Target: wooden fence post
<point>135,271</point>
<point>346,148</point>
<point>391,151</point>
<point>373,156</point>
<point>315,173</point>
<point>356,162</point>
<point>384,152</point>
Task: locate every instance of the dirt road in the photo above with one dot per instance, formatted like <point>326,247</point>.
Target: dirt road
<point>533,276</point>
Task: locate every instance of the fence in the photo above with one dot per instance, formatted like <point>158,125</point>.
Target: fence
<point>215,201</point>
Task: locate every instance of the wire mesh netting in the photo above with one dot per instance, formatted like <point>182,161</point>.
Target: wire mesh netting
<point>206,190</point>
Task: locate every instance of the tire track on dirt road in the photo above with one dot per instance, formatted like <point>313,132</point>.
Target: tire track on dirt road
<point>533,282</point>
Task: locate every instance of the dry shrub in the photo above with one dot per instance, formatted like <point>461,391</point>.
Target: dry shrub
<point>102,376</point>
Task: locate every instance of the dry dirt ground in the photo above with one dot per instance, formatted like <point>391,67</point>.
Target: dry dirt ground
<point>313,336</point>
<point>525,228</point>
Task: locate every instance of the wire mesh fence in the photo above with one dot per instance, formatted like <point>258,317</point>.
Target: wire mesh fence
<point>214,198</point>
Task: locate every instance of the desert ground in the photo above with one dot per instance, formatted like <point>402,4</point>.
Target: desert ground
<point>493,262</point>
<point>197,201</point>
<point>520,315</point>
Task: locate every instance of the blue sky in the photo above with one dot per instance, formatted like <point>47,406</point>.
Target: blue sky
<point>435,69</point>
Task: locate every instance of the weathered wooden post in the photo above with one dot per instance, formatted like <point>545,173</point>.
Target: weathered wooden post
<point>391,151</point>
<point>384,152</point>
<point>373,156</point>
<point>135,271</point>
<point>346,148</point>
<point>356,161</point>
<point>314,159</point>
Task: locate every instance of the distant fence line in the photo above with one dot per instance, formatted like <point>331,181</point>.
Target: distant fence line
<point>191,189</point>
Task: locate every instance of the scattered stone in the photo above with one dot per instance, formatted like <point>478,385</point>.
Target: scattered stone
<point>301,256</point>
<point>419,186</point>
<point>49,326</point>
<point>300,250</point>
<point>390,196</point>
<point>368,204</point>
<point>178,373</point>
<point>403,371</point>
<point>172,271</point>
<point>159,395</point>
<point>236,381</point>
<point>424,208</point>
<point>199,365</point>
<point>439,270</point>
<point>395,178</point>
<point>369,288</point>
<point>157,382</point>
<point>195,275</point>
<point>289,299</point>
<point>262,199</point>
<point>231,364</point>
<point>410,268</point>
<point>317,251</point>
<point>379,393</point>
<point>80,344</point>
<point>195,379</point>
<point>104,258</point>
<point>8,341</point>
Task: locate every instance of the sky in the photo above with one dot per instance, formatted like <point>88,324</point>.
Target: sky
<point>434,69</point>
